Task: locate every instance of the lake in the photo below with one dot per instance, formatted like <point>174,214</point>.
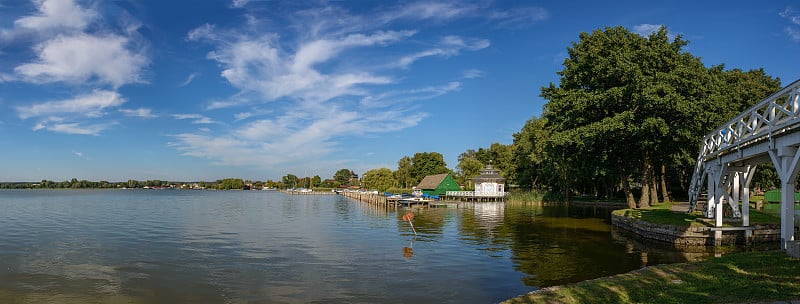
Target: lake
<point>188,246</point>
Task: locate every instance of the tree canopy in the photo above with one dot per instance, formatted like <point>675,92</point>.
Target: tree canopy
<point>625,105</point>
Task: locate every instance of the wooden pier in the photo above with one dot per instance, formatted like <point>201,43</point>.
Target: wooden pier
<point>471,196</point>
<point>308,192</point>
<point>383,200</point>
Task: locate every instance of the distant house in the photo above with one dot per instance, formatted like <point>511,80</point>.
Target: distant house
<point>438,184</point>
<point>489,182</point>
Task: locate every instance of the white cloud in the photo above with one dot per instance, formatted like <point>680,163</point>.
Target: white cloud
<point>74,128</point>
<point>239,3</point>
<point>329,80</point>
<point>794,18</point>
<point>473,73</point>
<point>83,58</point>
<point>791,15</point>
<point>390,98</point>
<point>88,105</point>
<point>140,112</point>
<point>189,79</point>
<point>195,118</point>
<point>59,15</point>
<point>430,10</point>
<point>646,29</point>
<point>519,17</point>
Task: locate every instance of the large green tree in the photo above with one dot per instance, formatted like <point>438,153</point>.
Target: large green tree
<point>290,181</point>
<point>630,108</point>
<point>342,177</point>
<point>403,173</point>
<point>381,179</point>
<point>427,163</point>
<point>531,165</point>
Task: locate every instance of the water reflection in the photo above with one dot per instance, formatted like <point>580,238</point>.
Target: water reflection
<point>408,252</point>
<point>251,246</point>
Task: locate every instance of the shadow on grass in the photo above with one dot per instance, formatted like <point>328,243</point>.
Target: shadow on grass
<point>734,278</point>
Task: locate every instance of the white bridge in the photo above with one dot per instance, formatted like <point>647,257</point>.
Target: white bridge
<point>766,132</point>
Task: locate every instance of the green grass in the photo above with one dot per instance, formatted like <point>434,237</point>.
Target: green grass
<point>528,196</point>
<point>733,278</point>
<point>660,216</point>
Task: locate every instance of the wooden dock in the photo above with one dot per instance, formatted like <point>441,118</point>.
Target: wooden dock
<point>470,196</point>
<point>383,200</point>
<point>308,193</point>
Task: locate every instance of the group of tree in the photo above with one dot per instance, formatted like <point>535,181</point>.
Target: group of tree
<point>223,184</point>
<point>628,115</point>
<point>626,119</point>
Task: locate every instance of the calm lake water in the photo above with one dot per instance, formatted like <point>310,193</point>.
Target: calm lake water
<point>175,246</point>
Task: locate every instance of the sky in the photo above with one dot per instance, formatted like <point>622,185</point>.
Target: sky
<point>204,90</point>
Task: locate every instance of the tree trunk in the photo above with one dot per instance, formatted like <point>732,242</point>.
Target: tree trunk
<point>664,192</point>
<point>644,200</point>
<point>653,187</point>
<point>626,186</point>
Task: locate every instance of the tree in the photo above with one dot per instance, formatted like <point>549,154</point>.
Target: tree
<point>342,177</point>
<point>531,165</point>
<point>380,179</point>
<point>316,181</point>
<point>468,167</point>
<point>427,163</point>
<point>290,181</point>
<point>230,183</point>
<point>618,96</point>
<point>403,173</point>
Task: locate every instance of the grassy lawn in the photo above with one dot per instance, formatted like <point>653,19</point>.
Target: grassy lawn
<point>733,278</point>
<point>662,214</point>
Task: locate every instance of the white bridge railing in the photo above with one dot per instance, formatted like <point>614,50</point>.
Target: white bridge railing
<point>473,194</point>
<point>776,114</point>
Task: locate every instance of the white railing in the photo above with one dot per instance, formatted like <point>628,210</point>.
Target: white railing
<point>473,194</point>
<point>774,115</point>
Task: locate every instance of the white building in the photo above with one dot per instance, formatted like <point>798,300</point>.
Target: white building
<point>489,182</point>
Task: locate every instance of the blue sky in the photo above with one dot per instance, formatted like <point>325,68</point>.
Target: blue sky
<point>204,90</point>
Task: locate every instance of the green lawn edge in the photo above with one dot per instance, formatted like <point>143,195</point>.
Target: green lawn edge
<point>662,214</point>
<point>733,278</point>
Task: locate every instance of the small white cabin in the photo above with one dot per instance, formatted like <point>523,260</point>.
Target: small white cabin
<point>489,182</point>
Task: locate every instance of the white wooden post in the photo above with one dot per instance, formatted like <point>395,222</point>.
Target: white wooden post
<point>785,161</point>
<point>711,203</point>
<point>747,178</point>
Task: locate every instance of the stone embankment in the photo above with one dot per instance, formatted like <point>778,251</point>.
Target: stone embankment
<point>695,235</point>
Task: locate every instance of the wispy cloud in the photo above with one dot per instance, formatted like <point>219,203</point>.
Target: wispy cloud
<point>57,15</point>
<point>519,17</point>
<point>88,105</point>
<point>448,46</point>
<point>188,80</point>
<point>390,98</point>
<point>73,46</point>
<point>793,29</point>
<point>472,74</point>
<point>195,118</point>
<point>646,29</point>
<point>74,128</point>
<point>74,115</point>
<point>140,112</point>
<point>326,76</point>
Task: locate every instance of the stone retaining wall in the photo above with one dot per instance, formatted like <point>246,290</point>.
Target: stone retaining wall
<point>694,235</point>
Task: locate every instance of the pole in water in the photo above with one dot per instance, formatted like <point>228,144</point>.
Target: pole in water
<point>408,218</point>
